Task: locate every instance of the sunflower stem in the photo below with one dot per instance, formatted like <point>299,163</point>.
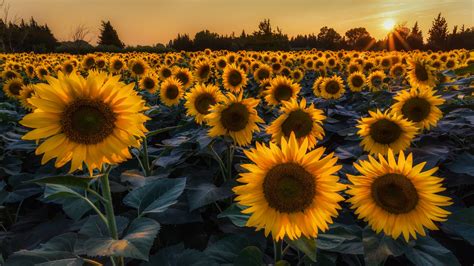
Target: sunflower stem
<point>109,209</point>
<point>277,250</point>
<point>230,157</point>
<point>146,159</point>
<point>219,160</point>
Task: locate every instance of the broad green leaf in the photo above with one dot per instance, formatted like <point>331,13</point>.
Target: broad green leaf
<point>461,222</point>
<point>161,130</point>
<point>156,196</point>
<point>234,213</point>
<point>177,255</point>
<point>249,256</point>
<point>427,251</point>
<point>201,194</point>
<point>305,245</point>
<point>226,249</point>
<point>68,181</point>
<point>378,247</point>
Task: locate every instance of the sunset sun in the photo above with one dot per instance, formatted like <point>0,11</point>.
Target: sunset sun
<point>388,24</point>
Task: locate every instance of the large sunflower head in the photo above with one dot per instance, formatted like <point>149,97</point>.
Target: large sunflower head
<point>397,70</point>
<point>421,74</point>
<point>375,80</point>
<point>419,107</point>
<point>234,79</point>
<point>304,122</point>
<point>149,83</point>
<point>164,72</point>
<point>281,89</point>
<point>383,131</point>
<point>297,75</point>
<point>116,65</point>
<point>26,93</point>
<point>203,71</point>
<point>88,61</point>
<point>67,67</point>
<point>235,117</point>
<point>12,88</point>
<point>171,91</point>
<point>396,197</point>
<point>184,76</point>
<point>91,120</point>
<point>317,86</point>
<point>200,99</point>
<point>289,191</point>
<point>332,87</point>
<point>262,72</point>
<point>138,67</point>
<point>356,81</point>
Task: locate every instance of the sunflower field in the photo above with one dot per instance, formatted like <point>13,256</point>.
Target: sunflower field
<point>237,158</point>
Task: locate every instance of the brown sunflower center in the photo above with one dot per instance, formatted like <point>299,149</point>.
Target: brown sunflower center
<point>100,63</point>
<point>204,71</point>
<point>332,87</point>
<point>450,64</point>
<point>421,73</point>
<point>90,61</point>
<point>263,74</point>
<point>299,122</point>
<point>357,81</point>
<point>289,188</point>
<point>43,72</point>
<point>203,102</point>
<point>117,65</point>
<point>283,92</point>
<point>166,72</point>
<point>234,78</point>
<point>138,69</point>
<point>416,109</point>
<point>398,71</point>
<point>221,63</point>
<point>68,68</point>
<point>87,121</point>
<point>15,88</point>
<point>183,77</point>
<point>376,81</point>
<point>394,193</point>
<point>172,91</point>
<point>148,83</point>
<point>235,117</point>
<point>385,131</point>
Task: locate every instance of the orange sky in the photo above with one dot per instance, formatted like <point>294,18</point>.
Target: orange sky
<point>152,21</point>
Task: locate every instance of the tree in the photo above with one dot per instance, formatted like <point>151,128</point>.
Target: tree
<point>109,36</point>
<point>358,39</point>
<point>205,39</point>
<point>182,42</point>
<point>415,38</point>
<point>438,34</point>
<point>328,38</point>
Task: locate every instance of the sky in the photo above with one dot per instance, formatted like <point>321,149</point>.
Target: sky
<point>148,22</point>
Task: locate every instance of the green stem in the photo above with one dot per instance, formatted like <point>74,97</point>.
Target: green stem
<point>109,207</point>
<point>277,250</point>
<point>219,160</point>
<point>230,158</point>
<point>99,213</point>
<point>146,159</point>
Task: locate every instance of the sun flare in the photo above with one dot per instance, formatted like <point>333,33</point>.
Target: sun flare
<point>388,24</point>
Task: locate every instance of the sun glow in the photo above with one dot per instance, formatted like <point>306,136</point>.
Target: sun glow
<point>388,24</point>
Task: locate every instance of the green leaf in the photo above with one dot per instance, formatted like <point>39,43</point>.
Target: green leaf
<point>465,70</point>
<point>305,245</point>
<point>161,130</point>
<point>282,263</point>
<point>341,238</point>
<point>227,249</point>
<point>202,194</point>
<point>95,227</point>
<point>136,243</point>
<point>249,256</point>
<point>68,181</point>
<point>378,247</point>
<point>462,164</point>
<point>156,196</point>
<point>234,213</point>
<point>53,192</point>
<point>461,223</point>
<point>427,251</point>
<point>177,255</point>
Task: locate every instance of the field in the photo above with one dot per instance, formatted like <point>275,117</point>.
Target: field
<point>245,158</point>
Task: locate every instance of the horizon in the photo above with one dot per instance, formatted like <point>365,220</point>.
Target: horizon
<point>133,25</point>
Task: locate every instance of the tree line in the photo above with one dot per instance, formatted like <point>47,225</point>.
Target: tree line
<point>30,36</point>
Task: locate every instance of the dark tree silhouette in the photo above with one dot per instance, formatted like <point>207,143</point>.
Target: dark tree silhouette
<point>438,34</point>
<point>328,38</point>
<point>109,36</point>
<point>359,39</point>
<point>415,38</point>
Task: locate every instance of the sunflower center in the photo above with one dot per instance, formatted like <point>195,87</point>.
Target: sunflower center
<point>416,109</point>
<point>299,122</point>
<point>283,92</point>
<point>87,121</point>
<point>90,62</point>
<point>172,91</point>
<point>385,131</point>
<point>148,83</point>
<point>15,88</point>
<point>394,193</point>
<point>289,188</point>
<point>166,73</point>
<point>183,77</point>
<point>398,71</point>
<point>203,102</point>
<point>204,71</point>
<point>421,73</point>
<point>376,81</point>
<point>234,78</point>
<point>68,68</point>
<point>138,69</point>
<point>332,87</point>
<point>263,74</point>
<point>118,65</point>
<point>357,81</point>
<point>235,117</point>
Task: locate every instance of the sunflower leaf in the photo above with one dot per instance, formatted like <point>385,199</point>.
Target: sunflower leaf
<point>68,181</point>
<point>305,245</point>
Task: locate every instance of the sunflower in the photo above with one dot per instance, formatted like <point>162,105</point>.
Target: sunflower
<point>12,88</point>
<point>88,61</point>
<point>421,74</point>
<point>289,191</point>
<point>30,71</point>
<point>281,89</point>
<point>26,93</point>
<point>262,72</point>
<point>396,197</point>
<point>419,107</point>
<point>221,63</point>
<point>397,70</point>
<point>317,86</point>
<point>203,71</point>
<point>149,83</point>
<point>67,67</point>
<point>138,67</point>
<point>234,79</point>
<point>164,72</point>
<point>304,121</point>
<point>91,121</point>
<point>375,80</point>
<point>235,117</point>
<point>332,87</point>
<point>297,75</point>
<point>200,99</point>
<point>171,91</point>
<point>356,81</point>
<point>116,65</point>
<point>184,76</point>
<point>382,131</point>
